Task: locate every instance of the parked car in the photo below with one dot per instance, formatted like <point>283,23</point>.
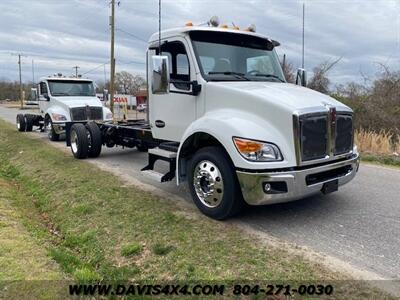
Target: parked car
<point>142,107</point>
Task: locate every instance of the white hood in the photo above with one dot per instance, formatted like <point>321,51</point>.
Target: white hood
<point>70,102</point>
<point>292,97</point>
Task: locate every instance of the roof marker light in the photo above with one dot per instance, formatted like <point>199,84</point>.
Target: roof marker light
<point>189,23</point>
<point>224,26</point>
<point>214,21</point>
<point>251,28</point>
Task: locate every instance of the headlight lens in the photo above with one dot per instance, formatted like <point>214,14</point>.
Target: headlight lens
<point>257,151</point>
<point>58,117</point>
<point>109,115</point>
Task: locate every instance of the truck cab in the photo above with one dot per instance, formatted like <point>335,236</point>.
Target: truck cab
<point>226,98</point>
<point>68,99</point>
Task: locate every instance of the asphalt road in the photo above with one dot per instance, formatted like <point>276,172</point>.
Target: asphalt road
<point>359,224</point>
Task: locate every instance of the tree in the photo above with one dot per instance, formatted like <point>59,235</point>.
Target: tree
<point>126,83</point>
<point>288,71</point>
<point>320,81</point>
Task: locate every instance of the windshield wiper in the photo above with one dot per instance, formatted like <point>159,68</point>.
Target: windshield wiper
<point>268,75</point>
<point>239,75</point>
<point>60,94</point>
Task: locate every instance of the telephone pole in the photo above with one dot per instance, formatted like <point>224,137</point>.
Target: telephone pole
<point>33,74</point>
<point>302,59</point>
<point>76,71</point>
<point>112,73</point>
<point>21,97</point>
<point>20,82</point>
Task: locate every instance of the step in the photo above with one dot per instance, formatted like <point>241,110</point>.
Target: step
<point>153,175</point>
<point>169,146</point>
<point>162,153</point>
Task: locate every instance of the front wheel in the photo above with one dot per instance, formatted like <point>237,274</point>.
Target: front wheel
<point>213,183</point>
<point>21,125</point>
<point>53,135</point>
<point>79,141</point>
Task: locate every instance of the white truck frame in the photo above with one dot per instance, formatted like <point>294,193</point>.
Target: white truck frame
<point>227,122</point>
<point>56,108</point>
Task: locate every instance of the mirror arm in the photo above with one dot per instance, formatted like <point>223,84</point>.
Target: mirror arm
<point>196,87</point>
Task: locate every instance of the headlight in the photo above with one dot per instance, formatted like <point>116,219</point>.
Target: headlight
<point>257,151</point>
<point>58,117</point>
<point>109,115</point>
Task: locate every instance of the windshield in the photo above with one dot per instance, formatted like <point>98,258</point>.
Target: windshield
<point>71,88</point>
<point>231,56</point>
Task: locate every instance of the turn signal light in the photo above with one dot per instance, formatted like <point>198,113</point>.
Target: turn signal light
<point>247,146</point>
<point>189,24</point>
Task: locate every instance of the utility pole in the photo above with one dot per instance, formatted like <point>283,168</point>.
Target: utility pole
<point>33,74</point>
<point>76,71</point>
<point>20,82</point>
<point>302,59</point>
<point>112,74</point>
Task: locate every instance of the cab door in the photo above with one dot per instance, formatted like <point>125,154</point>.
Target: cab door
<point>171,114</point>
<point>44,101</point>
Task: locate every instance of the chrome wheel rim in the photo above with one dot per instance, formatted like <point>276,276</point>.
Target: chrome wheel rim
<point>74,141</point>
<point>208,183</point>
<point>49,129</point>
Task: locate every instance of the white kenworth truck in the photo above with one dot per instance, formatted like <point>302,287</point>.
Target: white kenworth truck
<point>222,115</point>
<point>61,100</point>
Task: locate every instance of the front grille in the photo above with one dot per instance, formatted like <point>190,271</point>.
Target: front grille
<point>86,113</point>
<point>344,134</point>
<point>313,137</point>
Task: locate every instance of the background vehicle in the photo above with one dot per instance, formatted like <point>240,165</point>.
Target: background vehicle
<point>62,99</point>
<point>223,117</point>
<point>142,107</point>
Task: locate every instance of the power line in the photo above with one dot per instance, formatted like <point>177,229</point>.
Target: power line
<point>131,34</point>
<point>94,69</point>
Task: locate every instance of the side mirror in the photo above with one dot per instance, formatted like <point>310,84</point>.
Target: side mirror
<point>34,95</point>
<point>105,96</point>
<point>160,75</point>
<point>46,96</point>
<point>301,77</point>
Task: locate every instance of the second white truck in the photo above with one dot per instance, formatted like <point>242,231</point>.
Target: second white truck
<point>222,115</point>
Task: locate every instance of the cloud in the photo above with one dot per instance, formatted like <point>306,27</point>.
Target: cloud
<point>58,35</point>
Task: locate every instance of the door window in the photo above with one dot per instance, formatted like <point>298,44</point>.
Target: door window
<point>43,88</point>
<point>179,64</point>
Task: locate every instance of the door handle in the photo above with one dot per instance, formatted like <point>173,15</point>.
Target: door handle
<point>159,123</point>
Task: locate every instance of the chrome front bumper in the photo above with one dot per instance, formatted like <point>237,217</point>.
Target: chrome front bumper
<point>297,187</point>
<point>59,128</point>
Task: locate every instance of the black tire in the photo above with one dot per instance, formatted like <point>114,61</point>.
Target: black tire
<point>28,123</point>
<point>95,142</point>
<point>231,200</point>
<point>53,136</point>
<point>79,141</point>
<point>21,125</point>
<point>142,147</point>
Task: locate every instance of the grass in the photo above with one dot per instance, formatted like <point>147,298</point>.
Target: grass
<point>97,228</point>
<point>131,249</point>
<point>380,143</point>
<point>22,257</point>
<point>378,147</point>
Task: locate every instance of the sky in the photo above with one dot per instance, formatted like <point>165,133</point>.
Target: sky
<point>60,34</point>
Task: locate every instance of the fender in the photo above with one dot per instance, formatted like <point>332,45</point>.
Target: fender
<point>224,124</point>
<point>58,110</point>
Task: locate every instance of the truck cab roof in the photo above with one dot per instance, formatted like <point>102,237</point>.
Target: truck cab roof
<point>59,78</point>
<point>183,31</point>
